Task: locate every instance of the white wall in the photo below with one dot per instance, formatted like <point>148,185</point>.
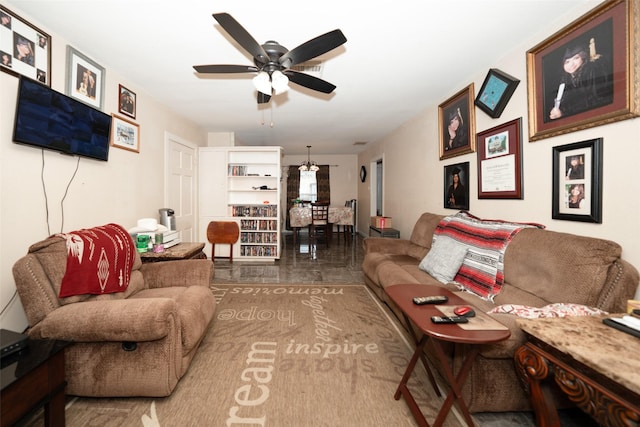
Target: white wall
<point>413,173</point>
<point>127,187</point>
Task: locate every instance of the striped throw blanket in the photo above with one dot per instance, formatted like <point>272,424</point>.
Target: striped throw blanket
<point>482,271</point>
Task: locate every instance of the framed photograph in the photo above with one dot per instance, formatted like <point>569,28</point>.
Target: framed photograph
<point>85,79</point>
<point>496,92</point>
<point>456,186</point>
<point>126,102</point>
<point>583,76</point>
<point>457,124</point>
<point>24,49</point>
<point>500,161</point>
<point>125,134</point>
<point>577,181</point>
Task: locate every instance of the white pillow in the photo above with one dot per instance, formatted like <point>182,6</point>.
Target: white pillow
<point>444,259</point>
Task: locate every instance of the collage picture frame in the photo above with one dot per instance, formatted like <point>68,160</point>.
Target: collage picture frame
<point>24,48</point>
<point>577,181</point>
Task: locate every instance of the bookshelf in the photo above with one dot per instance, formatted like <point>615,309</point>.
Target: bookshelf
<point>247,181</point>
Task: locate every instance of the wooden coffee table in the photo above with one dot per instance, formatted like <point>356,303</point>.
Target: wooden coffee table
<point>420,316</point>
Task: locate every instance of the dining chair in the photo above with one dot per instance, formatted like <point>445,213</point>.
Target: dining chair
<point>346,229</point>
<point>320,222</point>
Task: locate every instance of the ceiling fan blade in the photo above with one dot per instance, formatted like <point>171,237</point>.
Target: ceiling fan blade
<point>309,81</point>
<point>312,48</point>
<point>239,34</point>
<point>225,68</point>
<point>263,98</point>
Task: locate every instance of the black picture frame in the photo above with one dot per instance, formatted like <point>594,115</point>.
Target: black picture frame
<point>578,167</point>
<point>462,170</point>
<point>127,101</point>
<point>495,93</point>
<point>24,48</point>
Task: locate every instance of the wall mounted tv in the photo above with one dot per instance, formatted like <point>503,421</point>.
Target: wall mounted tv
<point>48,119</point>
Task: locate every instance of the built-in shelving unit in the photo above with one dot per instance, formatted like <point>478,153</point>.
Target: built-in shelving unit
<point>249,190</point>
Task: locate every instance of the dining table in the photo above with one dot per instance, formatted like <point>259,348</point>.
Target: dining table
<point>301,217</point>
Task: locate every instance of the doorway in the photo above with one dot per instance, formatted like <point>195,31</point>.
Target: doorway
<point>377,187</point>
<point>180,184</point>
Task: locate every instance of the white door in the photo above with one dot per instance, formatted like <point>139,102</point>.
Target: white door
<point>180,184</point>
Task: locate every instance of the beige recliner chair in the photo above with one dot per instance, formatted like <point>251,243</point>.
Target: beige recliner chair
<point>139,342</point>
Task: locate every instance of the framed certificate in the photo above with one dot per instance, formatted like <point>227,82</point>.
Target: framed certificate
<point>495,92</point>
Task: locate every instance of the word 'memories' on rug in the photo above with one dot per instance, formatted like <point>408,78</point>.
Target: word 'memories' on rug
<point>285,355</point>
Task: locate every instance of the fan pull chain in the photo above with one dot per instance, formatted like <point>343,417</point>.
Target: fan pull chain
<point>271,107</point>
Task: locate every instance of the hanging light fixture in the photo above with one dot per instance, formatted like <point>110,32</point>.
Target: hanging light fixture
<point>309,165</point>
<point>267,80</point>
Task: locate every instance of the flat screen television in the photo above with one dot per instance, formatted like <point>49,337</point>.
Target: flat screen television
<point>48,119</point>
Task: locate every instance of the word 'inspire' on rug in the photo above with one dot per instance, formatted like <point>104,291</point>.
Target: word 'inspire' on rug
<point>285,355</point>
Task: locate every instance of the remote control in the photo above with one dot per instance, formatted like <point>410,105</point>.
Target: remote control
<point>449,319</point>
<point>437,299</point>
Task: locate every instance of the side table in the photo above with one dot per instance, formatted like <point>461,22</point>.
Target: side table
<point>384,232</point>
<point>595,365</point>
<point>184,250</point>
<point>420,316</point>
<point>32,378</point>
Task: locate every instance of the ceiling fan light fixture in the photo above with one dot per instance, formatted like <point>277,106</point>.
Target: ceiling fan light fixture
<point>262,83</point>
<point>279,82</point>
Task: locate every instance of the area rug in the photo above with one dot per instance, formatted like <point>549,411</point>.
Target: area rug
<point>285,355</point>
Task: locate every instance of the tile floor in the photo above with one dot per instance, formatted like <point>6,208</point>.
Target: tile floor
<point>341,263</point>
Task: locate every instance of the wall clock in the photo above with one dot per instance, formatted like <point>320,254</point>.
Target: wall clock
<point>363,174</point>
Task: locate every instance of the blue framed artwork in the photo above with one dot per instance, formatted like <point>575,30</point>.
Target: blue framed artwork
<point>495,92</point>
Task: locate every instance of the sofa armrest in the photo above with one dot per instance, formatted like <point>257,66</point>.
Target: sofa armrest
<point>144,319</point>
<point>188,272</point>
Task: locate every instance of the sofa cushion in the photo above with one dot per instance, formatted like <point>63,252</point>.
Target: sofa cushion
<point>444,259</point>
<point>422,234</point>
<point>566,267</point>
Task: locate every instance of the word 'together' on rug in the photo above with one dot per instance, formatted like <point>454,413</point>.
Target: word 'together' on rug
<point>285,355</point>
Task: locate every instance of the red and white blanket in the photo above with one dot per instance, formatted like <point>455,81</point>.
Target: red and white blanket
<point>99,261</point>
<point>482,271</point>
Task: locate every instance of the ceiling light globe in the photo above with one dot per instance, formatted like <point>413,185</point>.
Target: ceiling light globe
<point>280,82</point>
<point>262,83</point>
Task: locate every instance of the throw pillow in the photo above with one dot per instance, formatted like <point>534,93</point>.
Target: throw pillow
<point>478,272</point>
<point>444,259</point>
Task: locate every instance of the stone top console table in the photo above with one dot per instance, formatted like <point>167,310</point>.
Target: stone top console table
<point>184,250</point>
<point>595,365</point>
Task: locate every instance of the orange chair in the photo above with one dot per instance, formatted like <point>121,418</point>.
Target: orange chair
<point>226,232</point>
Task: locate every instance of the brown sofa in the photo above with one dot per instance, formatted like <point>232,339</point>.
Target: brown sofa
<point>540,267</point>
<point>134,343</point>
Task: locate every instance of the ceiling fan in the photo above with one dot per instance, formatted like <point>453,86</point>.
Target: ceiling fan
<point>273,61</point>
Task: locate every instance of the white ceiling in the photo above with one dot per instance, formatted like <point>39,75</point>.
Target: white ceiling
<point>400,58</point>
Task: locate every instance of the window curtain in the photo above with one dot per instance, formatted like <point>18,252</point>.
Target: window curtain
<point>293,187</point>
<point>324,187</point>
<point>293,190</point>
